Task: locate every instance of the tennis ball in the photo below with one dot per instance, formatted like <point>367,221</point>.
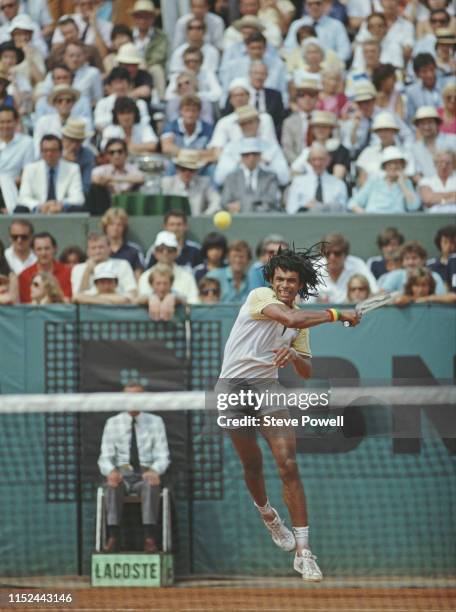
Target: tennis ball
<point>222,219</point>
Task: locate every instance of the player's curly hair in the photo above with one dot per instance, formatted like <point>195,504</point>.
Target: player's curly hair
<point>306,262</point>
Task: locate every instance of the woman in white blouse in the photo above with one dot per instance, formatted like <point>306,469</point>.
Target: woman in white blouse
<point>141,139</point>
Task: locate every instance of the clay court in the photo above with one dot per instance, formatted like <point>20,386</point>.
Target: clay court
<point>294,596</point>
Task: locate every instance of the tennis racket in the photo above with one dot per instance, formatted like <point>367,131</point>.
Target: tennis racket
<point>375,302</point>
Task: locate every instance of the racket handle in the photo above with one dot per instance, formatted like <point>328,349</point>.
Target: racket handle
<point>346,324</point>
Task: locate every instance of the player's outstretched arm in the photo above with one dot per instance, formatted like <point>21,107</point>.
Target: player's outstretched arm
<point>301,319</point>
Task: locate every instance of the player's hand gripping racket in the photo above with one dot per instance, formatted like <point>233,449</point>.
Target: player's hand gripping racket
<point>374,302</point>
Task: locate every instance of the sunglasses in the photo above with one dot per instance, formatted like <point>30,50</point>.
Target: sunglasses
<point>67,100</point>
<point>195,27</point>
<point>210,292</point>
<point>116,152</point>
<point>440,21</point>
<point>20,237</point>
<point>335,253</point>
<point>7,6</point>
<point>303,92</point>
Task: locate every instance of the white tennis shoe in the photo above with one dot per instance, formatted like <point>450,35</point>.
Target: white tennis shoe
<point>281,535</point>
<point>305,563</point>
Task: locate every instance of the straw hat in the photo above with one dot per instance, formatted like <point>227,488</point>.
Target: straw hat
<point>323,118</point>
<point>248,21</point>
<point>128,54</point>
<point>445,36</point>
<point>142,6</point>
<point>307,80</point>
<point>59,90</point>
<point>76,129</point>
<point>251,145</point>
<point>246,113</point>
<point>188,158</point>
<point>426,112</point>
<point>392,153</point>
<point>385,121</point>
<point>365,91</point>
<point>239,83</point>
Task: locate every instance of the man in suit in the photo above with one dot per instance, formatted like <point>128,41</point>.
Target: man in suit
<point>203,198</point>
<point>50,185</point>
<point>250,188</point>
<point>134,455</point>
<point>296,133</point>
<point>264,99</point>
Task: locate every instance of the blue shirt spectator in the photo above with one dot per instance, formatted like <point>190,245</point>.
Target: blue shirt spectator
<point>233,278</point>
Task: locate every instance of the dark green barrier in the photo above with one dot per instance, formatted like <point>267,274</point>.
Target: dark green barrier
<point>373,511</point>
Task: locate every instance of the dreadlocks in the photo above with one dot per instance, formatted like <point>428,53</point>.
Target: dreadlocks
<point>306,262</point>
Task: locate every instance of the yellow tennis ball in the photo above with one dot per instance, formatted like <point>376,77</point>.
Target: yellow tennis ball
<point>222,219</point>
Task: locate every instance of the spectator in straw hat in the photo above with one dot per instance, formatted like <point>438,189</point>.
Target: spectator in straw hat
<point>322,125</point>
<point>215,26</point>
<point>386,128</point>
<point>249,188</point>
<point>429,141</point>
<point>196,29</point>
<point>251,8</point>
<point>202,197</point>
<point>391,193</point>
<point>296,134</point>
<point>62,98</point>
<point>74,132</point>
<point>150,41</point>
<point>247,25</point>
<point>272,157</point>
<point>447,112</point>
<point>356,132</point>
<point>444,53</point>
<point>228,129</point>
<point>128,57</point>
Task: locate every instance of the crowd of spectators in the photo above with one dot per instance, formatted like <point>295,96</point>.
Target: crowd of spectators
<point>321,106</point>
<point>178,271</point>
<point>256,106</point>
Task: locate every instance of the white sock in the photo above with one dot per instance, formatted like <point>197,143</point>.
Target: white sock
<point>301,535</point>
<point>266,509</point>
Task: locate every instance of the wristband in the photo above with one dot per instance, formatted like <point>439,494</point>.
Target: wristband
<point>334,314</point>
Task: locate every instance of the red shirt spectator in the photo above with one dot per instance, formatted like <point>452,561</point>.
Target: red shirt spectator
<point>45,248</point>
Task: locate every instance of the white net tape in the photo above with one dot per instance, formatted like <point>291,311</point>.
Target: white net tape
<point>196,400</point>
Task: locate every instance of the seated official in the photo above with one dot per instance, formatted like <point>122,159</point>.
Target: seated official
<point>250,188</point>
<point>134,455</point>
<point>51,185</point>
<point>163,300</point>
<point>105,288</point>
<point>202,197</point>
<point>390,194</point>
<point>317,191</point>
<point>233,278</point>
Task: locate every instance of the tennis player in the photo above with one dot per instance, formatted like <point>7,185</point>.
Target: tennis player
<point>270,332</point>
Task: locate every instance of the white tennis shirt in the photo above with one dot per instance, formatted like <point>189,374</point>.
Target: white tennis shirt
<point>248,351</point>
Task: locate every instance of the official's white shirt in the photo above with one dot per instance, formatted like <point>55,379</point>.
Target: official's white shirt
<point>151,439</point>
<point>125,275</point>
<point>248,351</point>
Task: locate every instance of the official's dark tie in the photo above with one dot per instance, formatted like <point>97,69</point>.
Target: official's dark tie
<point>134,454</point>
<point>319,191</point>
<point>51,184</point>
<point>367,137</point>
